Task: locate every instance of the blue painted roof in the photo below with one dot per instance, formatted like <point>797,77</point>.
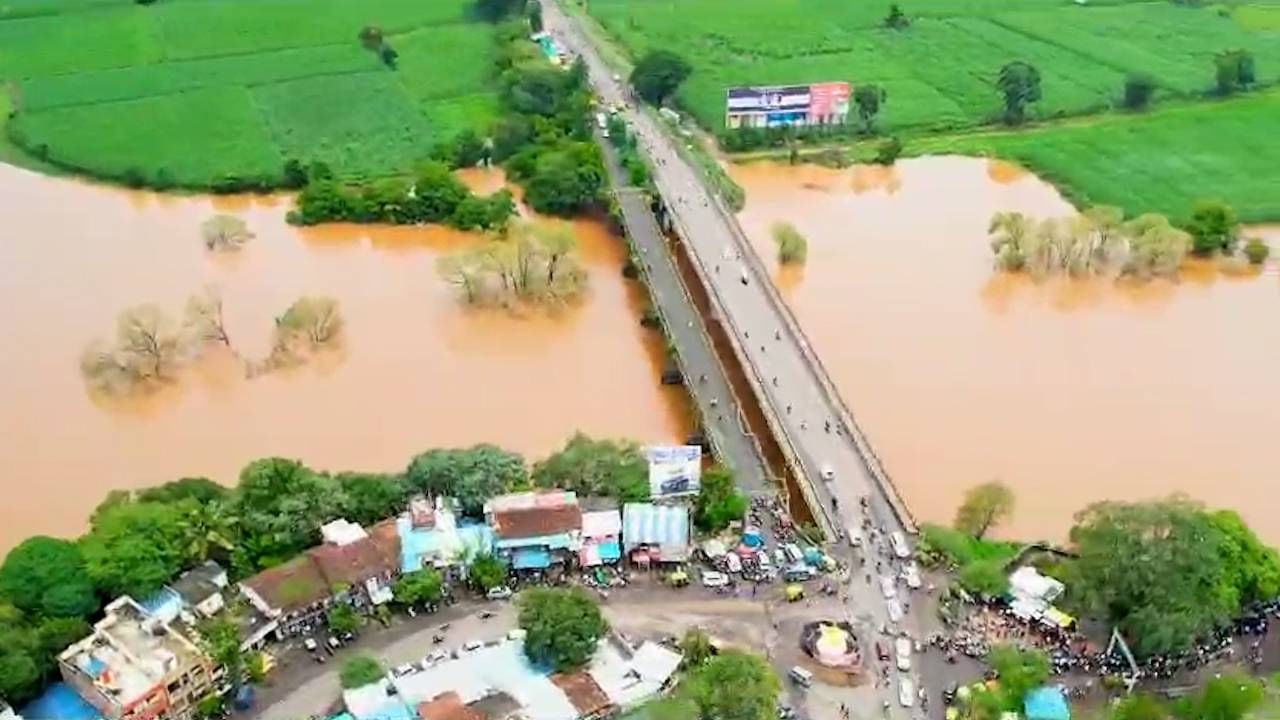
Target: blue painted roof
<point>531,559</point>
<point>1046,703</point>
<point>647,524</point>
<point>556,541</point>
<point>60,702</point>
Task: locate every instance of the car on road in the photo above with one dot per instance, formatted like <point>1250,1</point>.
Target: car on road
<point>949,692</point>
<point>472,645</point>
<point>911,574</point>
<point>881,651</point>
<point>794,552</point>
<point>713,579</point>
<point>895,610</point>
<point>780,556</point>
<point>906,692</point>
<point>799,572</point>
<point>899,543</point>
<point>828,473</point>
<point>501,592</point>
<point>733,562</point>
<point>436,656</point>
<point>888,587</point>
<point>855,538</point>
<point>762,559</point>
<point>902,648</point>
<point>310,644</point>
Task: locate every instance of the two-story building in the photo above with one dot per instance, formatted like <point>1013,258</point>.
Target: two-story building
<point>535,530</point>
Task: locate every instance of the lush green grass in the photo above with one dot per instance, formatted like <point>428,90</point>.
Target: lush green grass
<point>1162,161</point>
<point>939,73</point>
<point>189,92</point>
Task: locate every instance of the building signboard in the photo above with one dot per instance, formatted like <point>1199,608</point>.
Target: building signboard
<point>780,105</point>
<point>674,470</point>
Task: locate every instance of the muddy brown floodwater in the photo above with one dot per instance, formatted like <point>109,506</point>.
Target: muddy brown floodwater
<point>418,370</point>
<point>1069,391</point>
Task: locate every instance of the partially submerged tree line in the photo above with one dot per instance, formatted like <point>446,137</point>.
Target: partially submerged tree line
<point>1098,241</point>
<point>533,263</point>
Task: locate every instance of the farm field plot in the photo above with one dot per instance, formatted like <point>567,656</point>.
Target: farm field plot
<point>196,92</point>
<point>939,72</point>
<point>1163,161</point>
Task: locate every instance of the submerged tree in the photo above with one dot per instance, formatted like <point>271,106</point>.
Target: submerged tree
<point>793,248</point>
<point>534,263</point>
<point>1096,242</point>
<point>148,346</point>
<point>314,321</point>
<point>224,232</point>
<point>203,316</point>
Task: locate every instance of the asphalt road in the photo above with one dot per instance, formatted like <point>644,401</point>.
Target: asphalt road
<point>794,386</point>
<point>706,379</point>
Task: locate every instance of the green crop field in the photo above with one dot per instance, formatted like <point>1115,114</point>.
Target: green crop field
<point>1162,161</point>
<point>191,92</point>
<point>939,73</point>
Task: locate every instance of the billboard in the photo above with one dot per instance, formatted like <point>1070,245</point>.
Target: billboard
<point>777,105</point>
<point>674,470</point>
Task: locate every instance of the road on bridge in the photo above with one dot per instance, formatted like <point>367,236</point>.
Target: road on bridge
<point>794,387</point>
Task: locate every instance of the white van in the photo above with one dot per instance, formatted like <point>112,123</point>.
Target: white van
<point>902,648</point>
<point>734,562</point>
<point>601,122</point>
<point>906,692</point>
<point>899,543</point>
<point>895,610</point>
<point>800,676</point>
<point>888,587</point>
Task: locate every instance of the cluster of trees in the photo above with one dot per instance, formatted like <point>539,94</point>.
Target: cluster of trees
<point>1165,572</point>
<point>628,155</point>
<point>529,262</point>
<point>793,248</point>
<point>1098,241</point>
<point>719,501</point>
<point>544,137</point>
<point>151,346</point>
<point>1020,671</point>
<point>562,626</point>
<point>658,75</point>
<point>432,195</point>
<point>1230,696</point>
<point>729,684</point>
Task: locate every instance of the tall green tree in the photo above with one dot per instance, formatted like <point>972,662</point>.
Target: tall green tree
<point>46,576</point>
<point>360,671</point>
<point>984,507</point>
<point>419,587</point>
<point>719,502</point>
<point>370,497</point>
<point>280,505</point>
<point>199,489</point>
<point>1019,85</point>
<point>342,618</point>
<point>470,475</point>
<point>1213,227</point>
<point>23,660</point>
<point>615,468</point>
<point>868,98</point>
<point>486,572</point>
<point>1234,70</point>
<point>1156,569</point>
<point>220,638</point>
<point>1021,671</point>
<point>1253,567</point>
<point>135,548</point>
<point>733,686</point>
<point>562,626</point>
<point>657,75</point>
<point>1226,697</point>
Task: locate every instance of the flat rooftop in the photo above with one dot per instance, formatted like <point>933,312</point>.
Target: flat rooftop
<point>129,653</point>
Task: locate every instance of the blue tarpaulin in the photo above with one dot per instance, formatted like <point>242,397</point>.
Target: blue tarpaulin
<point>664,525</point>
<point>531,559</point>
<point>1046,703</point>
<point>60,702</point>
<point>609,551</point>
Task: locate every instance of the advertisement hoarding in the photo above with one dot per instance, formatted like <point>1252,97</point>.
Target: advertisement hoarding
<point>674,470</point>
<point>777,105</point>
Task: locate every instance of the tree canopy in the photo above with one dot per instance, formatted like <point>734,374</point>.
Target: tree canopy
<point>360,671</point>
<point>719,502</point>
<point>657,75</point>
<point>614,468</point>
<point>135,548</point>
<point>370,497</point>
<point>563,627</point>
<point>733,686</point>
<point>419,587</point>
<point>280,505</point>
<point>46,576</point>
<point>1019,84</point>
<point>486,572</point>
<point>1167,572</point>
<point>1213,227</point>
<point>984,506</point>
<point>471,475</point>
<point>1020,670</point>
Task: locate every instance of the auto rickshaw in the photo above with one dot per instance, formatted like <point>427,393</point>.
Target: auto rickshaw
<point>678,579</point>
<point>794,592</point>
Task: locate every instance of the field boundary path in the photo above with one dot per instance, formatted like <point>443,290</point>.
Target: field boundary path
<point>810,421</point>
<point>718,406</point>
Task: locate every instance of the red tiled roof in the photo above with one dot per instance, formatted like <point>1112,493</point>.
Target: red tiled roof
<point>352,563</point>
<point>448,706</point>
<point>533,522</point>
<point>290,586</point>
<point>581,689</point>
<point>387,539</point>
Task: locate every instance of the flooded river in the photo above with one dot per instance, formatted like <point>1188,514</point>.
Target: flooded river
<point>1069,391</point>
<point>417,369</point>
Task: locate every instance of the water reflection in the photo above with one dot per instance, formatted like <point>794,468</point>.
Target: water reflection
<point>1069,390</point>
<point>417,369</point>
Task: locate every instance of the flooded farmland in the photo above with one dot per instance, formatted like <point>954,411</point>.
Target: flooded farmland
<point>417,369</point>
<point>1068,390</point>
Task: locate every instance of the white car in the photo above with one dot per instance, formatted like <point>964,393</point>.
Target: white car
<point>472,645</point>
<point>888,587</point>
<point>762,558</point>
<point>714,579</point>
<point>902,648</point>
<point>911,574</point>
<point>899,543</point>
<point>734,562</point>
<point>828,473</point>
<point>906,692</point>
<point>501,592</point>
<point>895,610</point>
